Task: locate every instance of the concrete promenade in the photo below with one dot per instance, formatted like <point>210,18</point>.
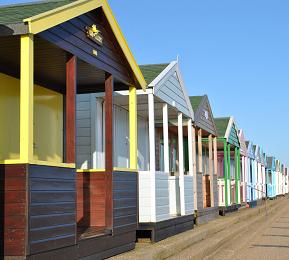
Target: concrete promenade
<point>259,233</point>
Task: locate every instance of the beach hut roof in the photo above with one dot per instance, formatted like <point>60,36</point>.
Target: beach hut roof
<point>37,17</point>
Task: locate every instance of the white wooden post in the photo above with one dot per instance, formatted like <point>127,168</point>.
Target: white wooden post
<point>166,138</point>
<point>211,170</point>
<point>152,155</point>
<point>190,147</point>
<point>97,133</point>
<point>194,167</point>
<point>181,163</point>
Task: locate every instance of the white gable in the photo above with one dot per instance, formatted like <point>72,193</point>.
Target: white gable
<point>169,87</point>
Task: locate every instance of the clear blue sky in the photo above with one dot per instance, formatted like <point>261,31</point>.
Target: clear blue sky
<point>237,52</point>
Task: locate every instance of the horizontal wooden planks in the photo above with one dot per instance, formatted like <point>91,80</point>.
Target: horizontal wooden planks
<point>52,208</point>
<point>71,36</point>
<point>91,188</point>
<point>13,199</point>
<point>125,201</point>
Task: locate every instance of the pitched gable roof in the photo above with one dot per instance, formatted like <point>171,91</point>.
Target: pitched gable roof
<point>17,19</point>
<point>250,150</point>
<point>270,161</point>
<point>204,118</point>
<point>257,153</point>
<point>196,101</point>
<point>16,13</point>
<point>151,71</point>
<point>227,129</point>
<point>169,86</point>
<point>243,147</point>
<point>222,125</point>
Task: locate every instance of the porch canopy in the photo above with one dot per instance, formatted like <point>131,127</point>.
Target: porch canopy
<point>228,159</point>
<point>56,49</point>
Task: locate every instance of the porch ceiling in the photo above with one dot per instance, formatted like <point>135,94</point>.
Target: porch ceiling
<point>50,66</point>
<point>142,106</point>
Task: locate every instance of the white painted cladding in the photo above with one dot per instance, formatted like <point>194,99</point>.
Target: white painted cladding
<point>189,194</point>
<point>174,192</point>
<point>162,205</point>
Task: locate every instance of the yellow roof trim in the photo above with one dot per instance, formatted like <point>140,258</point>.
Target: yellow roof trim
<point>123,44</point>
<point>49,19</point>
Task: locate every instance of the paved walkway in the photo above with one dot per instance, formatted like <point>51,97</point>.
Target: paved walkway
<point>247,233</point>
<point>267,240</point>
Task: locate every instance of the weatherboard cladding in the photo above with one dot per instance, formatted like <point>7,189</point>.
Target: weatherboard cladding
<point>257,153</point>
<point>169,89</point>
<point>250,150</point>
<point>203,114</point>
<point>233,136</point>
<point>71,36</point>
<point>243,147</point>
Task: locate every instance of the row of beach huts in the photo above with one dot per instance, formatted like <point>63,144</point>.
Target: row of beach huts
<point>97,151</point>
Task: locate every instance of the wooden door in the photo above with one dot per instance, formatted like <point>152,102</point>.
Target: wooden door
<point>206,191</point>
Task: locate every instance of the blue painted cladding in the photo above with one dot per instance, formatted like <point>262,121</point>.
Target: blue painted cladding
<point>169,90</point>
<point>125,202</point>
<point>52,208</point>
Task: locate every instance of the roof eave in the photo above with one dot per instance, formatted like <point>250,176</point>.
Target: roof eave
<point>13,29</point>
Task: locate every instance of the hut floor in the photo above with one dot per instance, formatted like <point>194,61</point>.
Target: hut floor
<point>89,232</point>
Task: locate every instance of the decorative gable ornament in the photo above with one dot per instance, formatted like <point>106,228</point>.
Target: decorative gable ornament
<point>94,34</point>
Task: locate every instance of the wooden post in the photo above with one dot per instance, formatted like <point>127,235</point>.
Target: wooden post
<point>226,173</point>
<point>211,170</point>
<point>70,108</point>
<point>215,156</point>
<point>166,138</point>
<point>194,167</point>
<point>109,86</point>
<point>26,97</point>
<point>200,151</point>
<point>190,147</point>
<point>236,175</point>
<point>229,174</point>
<point>133,128</point>
<point>152,142</point>
<point>152,156</point>
<point>181,163</point>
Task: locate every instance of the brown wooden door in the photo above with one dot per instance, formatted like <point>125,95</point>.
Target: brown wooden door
<point>206,190</point>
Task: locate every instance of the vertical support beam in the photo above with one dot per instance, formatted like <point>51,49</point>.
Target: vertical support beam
<point>109,86</point>
<point>226,173</point>
<point>166,138</point>
<point>236,174</point>
<point>190,154</point>
<point>152,142</point>
<point>194,167</point>
<point>152,156</point>
<point>26,97</point>
<point>215,156</point>
<point>190,147</point>
<point>200,151</point>
<point>211,170</point>
<point>229,175</point>
<point>181,163</point>
<point>133,127</point>
<point>70,108</point>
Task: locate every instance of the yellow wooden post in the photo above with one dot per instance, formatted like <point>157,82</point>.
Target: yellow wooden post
<point>133,127</point>
<point>26,97</point>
